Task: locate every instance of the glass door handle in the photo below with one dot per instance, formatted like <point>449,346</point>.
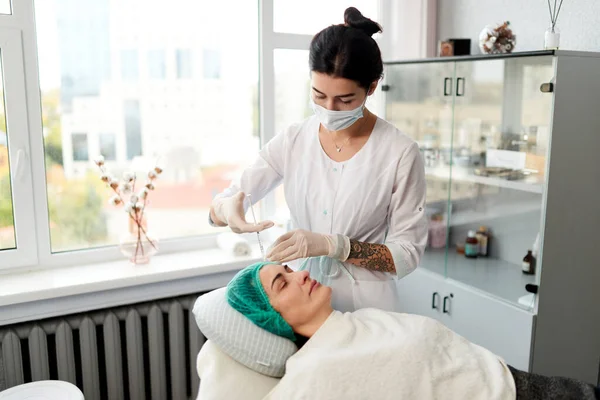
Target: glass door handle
<point>531,288</point>
<point>433,302</point>
<point>447,86</point>
<point>445,308</point>
<point>460,89</point>
<point>547,87</point>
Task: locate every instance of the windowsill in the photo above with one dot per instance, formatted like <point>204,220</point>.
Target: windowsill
<point>39,294</point>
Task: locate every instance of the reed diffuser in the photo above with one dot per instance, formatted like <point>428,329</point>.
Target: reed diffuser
<point>552,36</point>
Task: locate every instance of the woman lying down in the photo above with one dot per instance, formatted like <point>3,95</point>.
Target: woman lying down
<point>374,354</point>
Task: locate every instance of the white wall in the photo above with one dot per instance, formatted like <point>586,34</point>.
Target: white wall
<point>578,22</point>
<point>408,29</point>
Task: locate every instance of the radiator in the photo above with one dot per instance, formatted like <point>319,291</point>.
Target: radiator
<point>142,351</point>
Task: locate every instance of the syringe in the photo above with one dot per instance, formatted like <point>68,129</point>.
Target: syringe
<point>262,250</point>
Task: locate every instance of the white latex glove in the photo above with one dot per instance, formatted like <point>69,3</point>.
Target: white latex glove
<point>230,210</point>
<point>302,244</point>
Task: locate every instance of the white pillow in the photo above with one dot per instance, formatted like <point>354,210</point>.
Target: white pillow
<point>239,338</point>
<point>223,378</point>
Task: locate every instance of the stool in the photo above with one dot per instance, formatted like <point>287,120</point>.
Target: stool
<point>43,390</point>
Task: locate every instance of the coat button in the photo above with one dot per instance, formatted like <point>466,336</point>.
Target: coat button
<point>335,170</point>
<point>324,212</point>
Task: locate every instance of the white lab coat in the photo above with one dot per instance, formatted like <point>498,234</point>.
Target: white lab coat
<point>378,196</point>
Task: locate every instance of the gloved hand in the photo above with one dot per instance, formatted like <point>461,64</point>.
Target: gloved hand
<point>230,210</point>
<point>302,244</point>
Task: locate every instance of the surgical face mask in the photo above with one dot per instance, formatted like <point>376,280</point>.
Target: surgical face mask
<point>337,120</point>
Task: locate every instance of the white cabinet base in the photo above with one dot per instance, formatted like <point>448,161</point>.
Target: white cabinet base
<point>500,327</point>
<point>495,325</point>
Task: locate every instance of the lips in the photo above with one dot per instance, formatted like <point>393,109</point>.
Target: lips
<point>312,286</point>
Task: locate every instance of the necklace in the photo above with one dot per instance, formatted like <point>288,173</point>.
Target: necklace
<point>339,148</point>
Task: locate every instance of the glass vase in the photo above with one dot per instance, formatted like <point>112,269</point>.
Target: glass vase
<point>138,244</point>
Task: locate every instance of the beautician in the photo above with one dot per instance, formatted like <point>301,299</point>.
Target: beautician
<point>354,184</point>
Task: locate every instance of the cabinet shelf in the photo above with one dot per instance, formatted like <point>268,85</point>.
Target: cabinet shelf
<point>497,278</point>
<point>531,185</point>
<point>475,216</point>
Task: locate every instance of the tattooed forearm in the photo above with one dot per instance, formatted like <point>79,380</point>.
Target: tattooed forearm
<point>376,257</point>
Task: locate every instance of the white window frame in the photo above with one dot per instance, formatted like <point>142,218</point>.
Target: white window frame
<point>269,41</point>
<point>15,105</point>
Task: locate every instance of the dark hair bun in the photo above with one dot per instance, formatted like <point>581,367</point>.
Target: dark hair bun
<point>354,19</point>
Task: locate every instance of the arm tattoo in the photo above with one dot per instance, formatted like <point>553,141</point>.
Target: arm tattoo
<point>376,257</point>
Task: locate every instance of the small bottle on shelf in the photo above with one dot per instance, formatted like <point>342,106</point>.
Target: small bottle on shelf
<point>471,245</point>
<point>437,231</point>
<point>529,263</point>
<point>483,237</point>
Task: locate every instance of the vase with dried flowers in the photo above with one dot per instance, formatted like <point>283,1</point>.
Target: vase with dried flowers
<point>552,36</point>
<point>137,244</point>
<point>497,39</point>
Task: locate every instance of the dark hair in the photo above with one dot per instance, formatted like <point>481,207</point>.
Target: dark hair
<point>348,50</point>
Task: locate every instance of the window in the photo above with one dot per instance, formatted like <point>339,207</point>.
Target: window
<point>292,91</point>
<point>108,146</point>
<point>156,64</point>
<point>133,128</point>
<point>292,87</point>
<point>5,7</point>
<point>84,32</point>
<point>80,147</point>
<point>311,16</point>
<point>211,61</point>
<point>7,225</point>
<point>184,63</point>
<point>187,128</point>
<point>129,65</point>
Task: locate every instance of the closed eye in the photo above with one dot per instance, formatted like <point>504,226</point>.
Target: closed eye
<point>282,278</point>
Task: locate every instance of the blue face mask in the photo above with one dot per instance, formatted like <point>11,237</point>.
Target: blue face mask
<point>337,120</point>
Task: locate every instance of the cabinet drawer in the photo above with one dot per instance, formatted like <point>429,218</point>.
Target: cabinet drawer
<point>421,293</point>
<point>501,328</point>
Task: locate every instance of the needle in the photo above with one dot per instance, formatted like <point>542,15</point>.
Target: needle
<point>262,250</point>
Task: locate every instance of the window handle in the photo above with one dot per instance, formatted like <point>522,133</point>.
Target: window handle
<point>20,164</point>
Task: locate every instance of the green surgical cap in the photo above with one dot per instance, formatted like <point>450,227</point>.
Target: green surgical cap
<point>246,294</point>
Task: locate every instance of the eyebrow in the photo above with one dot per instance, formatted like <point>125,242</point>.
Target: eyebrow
<point>339,97</point>
<point>279,275</point>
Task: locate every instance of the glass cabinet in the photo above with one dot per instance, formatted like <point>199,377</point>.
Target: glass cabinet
<point>482,124</point>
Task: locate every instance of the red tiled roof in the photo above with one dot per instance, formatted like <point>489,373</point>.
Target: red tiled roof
<point>191,194</point>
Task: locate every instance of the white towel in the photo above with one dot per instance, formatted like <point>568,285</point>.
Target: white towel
<point>374,354</point>
<point>234,244</point>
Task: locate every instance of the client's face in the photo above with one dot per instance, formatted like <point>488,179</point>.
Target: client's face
<point>293,294</point>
